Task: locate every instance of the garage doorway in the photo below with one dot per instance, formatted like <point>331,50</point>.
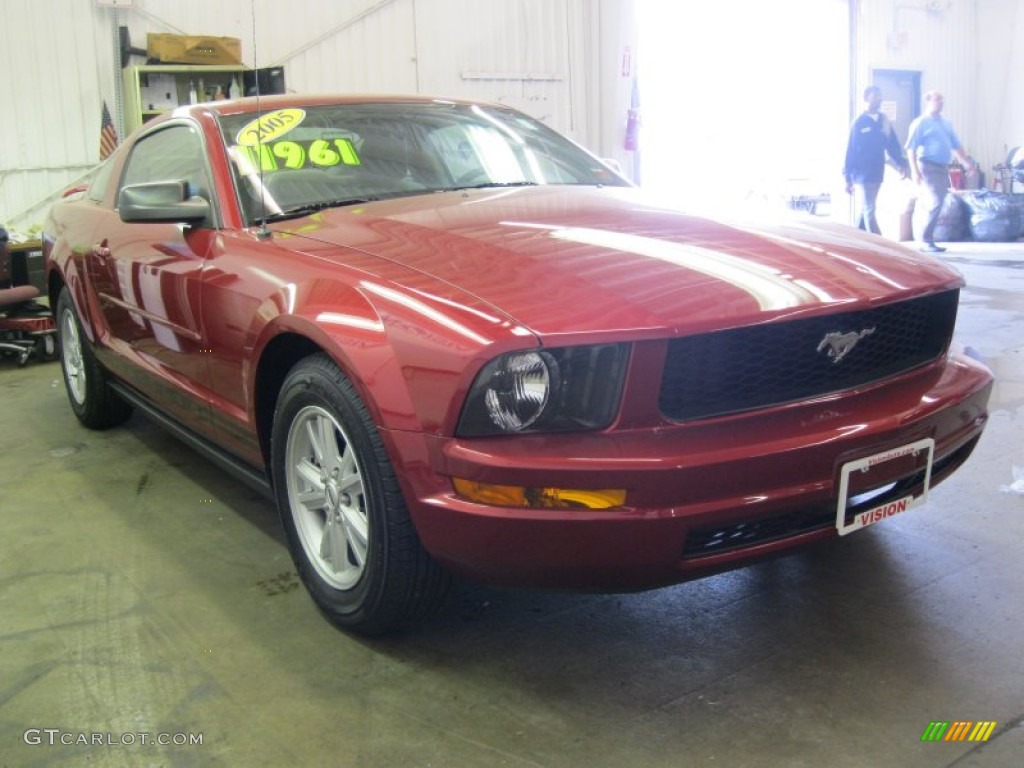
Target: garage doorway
<point>901,97</point>
<point>743,102</point>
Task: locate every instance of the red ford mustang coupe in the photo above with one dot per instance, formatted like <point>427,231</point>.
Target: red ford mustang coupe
<point>447,340</point>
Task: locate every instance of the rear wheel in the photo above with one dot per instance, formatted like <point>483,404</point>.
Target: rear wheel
<point>344,515</point>
<point>92,400</point>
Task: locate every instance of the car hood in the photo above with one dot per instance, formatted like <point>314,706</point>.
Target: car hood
<point>567,260</point>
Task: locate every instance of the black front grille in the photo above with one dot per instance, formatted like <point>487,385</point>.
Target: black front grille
<point>781,362</point>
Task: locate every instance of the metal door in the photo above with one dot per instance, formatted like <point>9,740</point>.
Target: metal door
<point>901,97</point>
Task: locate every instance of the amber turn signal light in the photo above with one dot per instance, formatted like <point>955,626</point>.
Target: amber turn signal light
<point>538,498</point>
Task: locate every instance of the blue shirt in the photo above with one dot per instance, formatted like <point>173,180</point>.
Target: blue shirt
<point>932,139</point>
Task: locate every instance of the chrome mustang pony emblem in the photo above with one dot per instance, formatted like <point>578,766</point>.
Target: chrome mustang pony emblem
<point>839,344</point>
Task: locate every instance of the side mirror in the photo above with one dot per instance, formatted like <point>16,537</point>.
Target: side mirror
<point>161,201</point>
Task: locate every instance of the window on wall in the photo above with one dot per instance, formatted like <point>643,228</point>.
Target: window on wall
<point>743,101</point>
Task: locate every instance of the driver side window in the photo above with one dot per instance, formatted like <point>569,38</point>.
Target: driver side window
<point>176,152</point>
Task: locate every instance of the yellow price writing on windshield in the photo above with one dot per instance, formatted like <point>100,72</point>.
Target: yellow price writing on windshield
<point>270,126</point>
<point>301,154</point>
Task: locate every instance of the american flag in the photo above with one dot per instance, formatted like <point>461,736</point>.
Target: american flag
<point>108,134</point>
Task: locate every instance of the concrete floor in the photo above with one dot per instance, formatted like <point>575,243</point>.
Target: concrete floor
<point>142,592</point>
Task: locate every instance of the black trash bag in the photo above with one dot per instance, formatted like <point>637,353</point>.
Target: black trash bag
<point>953,224</point>
<point>1017,201</point>
<point>995,217</point>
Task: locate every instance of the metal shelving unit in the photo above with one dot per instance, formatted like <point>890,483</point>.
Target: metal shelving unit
<point>152,89</point>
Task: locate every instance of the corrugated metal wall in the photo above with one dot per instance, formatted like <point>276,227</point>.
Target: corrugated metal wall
<point>560,60</point>
<point>351,45</point>
<point>515,51</point>
<point>533,54</point>
<point>998,100</point>
<point>57,69</point>
<point>1011,97</point>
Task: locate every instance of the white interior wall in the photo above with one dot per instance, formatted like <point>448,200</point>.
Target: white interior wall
<point>535,55</point>
<point>1001,32</point>
<point>538,55</point>
<point>561,60</point>
<point>967,49</point>
<point>57,64</point>
<point>736,117</point>
<point>615,59</point>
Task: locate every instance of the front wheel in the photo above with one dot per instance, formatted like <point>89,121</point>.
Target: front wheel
<point>344,515</point>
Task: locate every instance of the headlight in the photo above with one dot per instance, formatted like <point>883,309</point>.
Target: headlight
<point>519,389</point>
<point>546,390</point>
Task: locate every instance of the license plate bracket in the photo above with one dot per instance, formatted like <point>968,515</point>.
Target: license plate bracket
<point>893,506</point>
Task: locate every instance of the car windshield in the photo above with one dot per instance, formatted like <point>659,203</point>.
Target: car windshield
<point>294,161</point>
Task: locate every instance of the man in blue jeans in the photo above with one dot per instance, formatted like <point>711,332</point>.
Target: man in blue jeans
<point>931,146</point>
<point>871,138</point>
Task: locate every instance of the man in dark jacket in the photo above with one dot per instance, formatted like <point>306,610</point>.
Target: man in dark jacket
<point>871,138</point>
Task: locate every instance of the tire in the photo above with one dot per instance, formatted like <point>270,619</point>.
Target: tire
<point>92,400</point>
<point>344,516</point>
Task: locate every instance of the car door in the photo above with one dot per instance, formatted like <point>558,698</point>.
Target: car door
<point>147,277</point>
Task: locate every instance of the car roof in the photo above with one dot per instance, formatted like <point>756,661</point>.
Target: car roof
<point>283,101</point>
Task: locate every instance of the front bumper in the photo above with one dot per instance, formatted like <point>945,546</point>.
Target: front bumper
<point>701,498</point>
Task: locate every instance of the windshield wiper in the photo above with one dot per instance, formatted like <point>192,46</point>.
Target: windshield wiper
<point>309,208</point>
<point>489,184</point>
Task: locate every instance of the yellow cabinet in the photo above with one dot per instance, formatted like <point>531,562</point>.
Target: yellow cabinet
<point>152,89</point>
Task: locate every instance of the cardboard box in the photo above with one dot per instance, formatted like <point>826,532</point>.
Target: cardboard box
<point>193,49</point>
